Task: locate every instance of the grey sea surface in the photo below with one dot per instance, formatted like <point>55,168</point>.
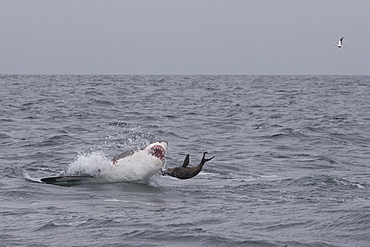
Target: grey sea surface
<point>291,168</point>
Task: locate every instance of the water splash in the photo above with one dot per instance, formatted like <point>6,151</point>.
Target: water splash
<point>89,164</point>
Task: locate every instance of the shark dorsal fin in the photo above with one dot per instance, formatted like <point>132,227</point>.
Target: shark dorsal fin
<point>186,161</point>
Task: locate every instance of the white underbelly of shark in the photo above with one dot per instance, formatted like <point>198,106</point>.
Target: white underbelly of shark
<point>140,166</point>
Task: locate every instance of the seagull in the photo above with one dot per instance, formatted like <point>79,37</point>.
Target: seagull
<point>339,45</point>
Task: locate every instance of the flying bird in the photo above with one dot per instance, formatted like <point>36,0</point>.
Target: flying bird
<point>340,45</point>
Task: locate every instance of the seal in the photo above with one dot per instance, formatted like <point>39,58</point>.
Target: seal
<point>185,172</point>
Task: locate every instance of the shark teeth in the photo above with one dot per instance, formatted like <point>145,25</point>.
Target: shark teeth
<point>158,152</point>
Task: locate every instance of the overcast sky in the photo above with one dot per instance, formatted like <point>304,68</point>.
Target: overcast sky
<point>252,37</point>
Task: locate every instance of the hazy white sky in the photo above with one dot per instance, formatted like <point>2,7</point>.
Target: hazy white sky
<point>184,37</point>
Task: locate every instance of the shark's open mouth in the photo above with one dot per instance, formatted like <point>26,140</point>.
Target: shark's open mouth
<point>158,152</point>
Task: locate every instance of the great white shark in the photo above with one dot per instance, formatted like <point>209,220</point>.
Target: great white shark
<point>131,166</point>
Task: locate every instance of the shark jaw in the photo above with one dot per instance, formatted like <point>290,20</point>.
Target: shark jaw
<point>157,150</point>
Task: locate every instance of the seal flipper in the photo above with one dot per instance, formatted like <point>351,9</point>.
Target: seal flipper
<point>204,160</point>
<point>186,161</point>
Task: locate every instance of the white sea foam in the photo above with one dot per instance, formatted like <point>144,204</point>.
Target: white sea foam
<point>28,177</point>
<point>89,164</point>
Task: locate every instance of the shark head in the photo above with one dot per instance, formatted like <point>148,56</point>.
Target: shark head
<point>139,165</point>
<point>157,150</point>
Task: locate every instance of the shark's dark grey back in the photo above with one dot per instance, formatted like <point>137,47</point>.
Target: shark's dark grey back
<point>123,155</point>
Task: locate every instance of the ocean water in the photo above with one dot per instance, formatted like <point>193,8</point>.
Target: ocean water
<point>291,164</point>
